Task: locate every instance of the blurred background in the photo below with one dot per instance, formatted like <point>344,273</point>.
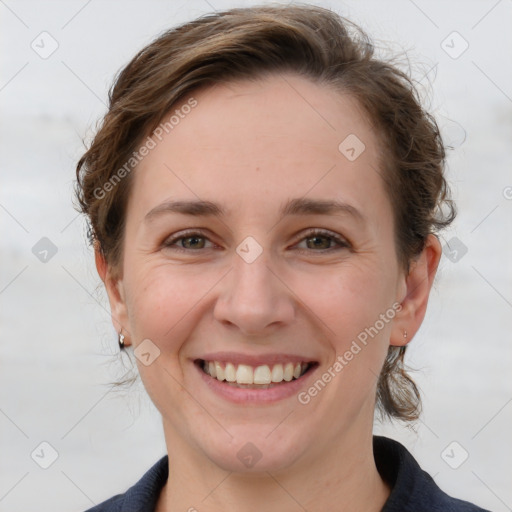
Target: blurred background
<point>67,441</point>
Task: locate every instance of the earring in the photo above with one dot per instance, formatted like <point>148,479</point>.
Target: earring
<point>405,334</point>
<point>121,340</point>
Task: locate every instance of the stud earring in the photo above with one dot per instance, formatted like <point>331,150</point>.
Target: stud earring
<point>121,340</point>
<point>405,334</point>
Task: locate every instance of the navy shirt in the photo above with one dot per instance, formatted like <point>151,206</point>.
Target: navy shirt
<point>412,490</point>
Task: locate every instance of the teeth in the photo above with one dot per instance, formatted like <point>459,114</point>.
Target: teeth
<point>277,373</point>
<point>262,375</point>
<point>288,372</point>
<point>219,372</point>
<point>230,372</point>
<point>212,369</point>
<point>244,374</point>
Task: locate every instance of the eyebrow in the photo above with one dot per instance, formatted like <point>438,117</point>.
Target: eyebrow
<point>299,206</point>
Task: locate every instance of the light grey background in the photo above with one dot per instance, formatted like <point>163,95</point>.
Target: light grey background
<point>58,347</point>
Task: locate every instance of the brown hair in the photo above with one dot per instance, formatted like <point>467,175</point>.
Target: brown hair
<point>249,43</point>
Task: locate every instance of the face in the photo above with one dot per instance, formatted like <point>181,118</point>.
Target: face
<point>263,273</point>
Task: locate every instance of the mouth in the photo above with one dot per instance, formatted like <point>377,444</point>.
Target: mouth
<point>263,376</point>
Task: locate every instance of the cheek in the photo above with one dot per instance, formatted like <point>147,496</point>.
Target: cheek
<point>162,300</point>
<point>347,300</point>
<point>349,307</point>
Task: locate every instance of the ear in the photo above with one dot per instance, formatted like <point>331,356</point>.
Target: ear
<point>116,295</point>
<point>417,284</point>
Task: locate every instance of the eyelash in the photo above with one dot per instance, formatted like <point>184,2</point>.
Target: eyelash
<point>342,243</point>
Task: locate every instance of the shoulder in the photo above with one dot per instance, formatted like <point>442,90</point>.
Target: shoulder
<point>413,490</point>
<point>142,496</point>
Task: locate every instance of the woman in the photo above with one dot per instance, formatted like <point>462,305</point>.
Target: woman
<point>263,197</point>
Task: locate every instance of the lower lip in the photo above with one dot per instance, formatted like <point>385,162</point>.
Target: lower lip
<point>264,395</point>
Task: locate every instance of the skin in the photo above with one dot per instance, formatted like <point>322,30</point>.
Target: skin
<point>251,146</point>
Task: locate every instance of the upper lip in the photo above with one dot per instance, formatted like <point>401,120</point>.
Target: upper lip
<point>256,360</point>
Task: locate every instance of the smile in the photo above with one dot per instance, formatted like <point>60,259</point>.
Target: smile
<point>255,383</point>
<point>262,376</point>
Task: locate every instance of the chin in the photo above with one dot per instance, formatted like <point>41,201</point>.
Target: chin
<point>253,450</point>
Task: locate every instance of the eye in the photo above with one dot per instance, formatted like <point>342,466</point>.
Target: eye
<point>322,240</point>
<point>187,241</point>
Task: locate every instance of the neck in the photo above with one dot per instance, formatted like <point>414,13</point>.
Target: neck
<point>343,479</point>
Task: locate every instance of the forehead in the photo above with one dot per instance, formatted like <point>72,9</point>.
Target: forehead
<point>253,143</point>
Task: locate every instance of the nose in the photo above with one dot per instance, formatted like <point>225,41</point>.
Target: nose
<point>254,298</point>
